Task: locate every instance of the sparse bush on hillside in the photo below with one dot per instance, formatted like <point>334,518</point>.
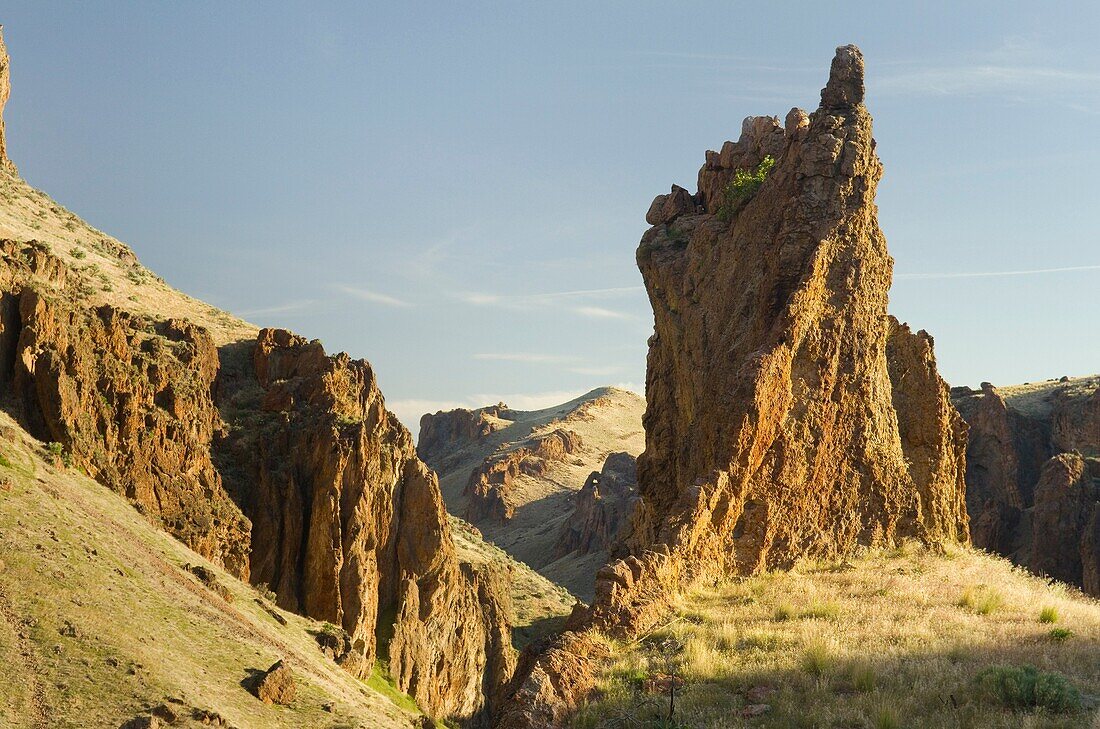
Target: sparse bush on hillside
<point>77,253</point>
<point>1026,687</point>
<point>1060,635</point>
<point>982,600</point>
<point>266,592</point>
<point>817,659</point>
<point>743,187</point>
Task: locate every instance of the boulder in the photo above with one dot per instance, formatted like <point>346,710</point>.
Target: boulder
<point>276,685</point>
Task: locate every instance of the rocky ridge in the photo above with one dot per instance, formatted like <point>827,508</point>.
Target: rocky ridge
<point>255,448</point>
<point>1033,475</point>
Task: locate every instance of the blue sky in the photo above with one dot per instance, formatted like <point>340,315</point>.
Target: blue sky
<point>455,190</point>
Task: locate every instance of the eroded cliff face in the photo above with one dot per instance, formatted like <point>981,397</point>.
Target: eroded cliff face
<point>1033,464</point>
<point>489,492</point>
<point>352,523</point>
<point>772,431</point>
<point>129,401</point>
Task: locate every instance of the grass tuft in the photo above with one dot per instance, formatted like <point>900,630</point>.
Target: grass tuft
<point>982,600</point>
<point>1049,614</point>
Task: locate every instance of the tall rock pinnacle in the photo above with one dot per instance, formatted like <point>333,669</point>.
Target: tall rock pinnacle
<point>5,90</point>
<point>777,416</point>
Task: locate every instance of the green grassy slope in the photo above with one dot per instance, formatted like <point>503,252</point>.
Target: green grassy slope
<point>99,622</point>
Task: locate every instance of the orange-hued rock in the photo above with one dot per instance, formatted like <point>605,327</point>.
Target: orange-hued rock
<point>787,415</point>
<point>552,678</point>
<point>129,401</point>
<point>772,432</point>
<point>352,524</point>
<point>6,165</point>
<point>933,434</point>
<point>1033,462</point>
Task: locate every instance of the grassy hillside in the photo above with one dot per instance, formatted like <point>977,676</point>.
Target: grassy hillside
<point>907,638</point>
<point>100,622</point>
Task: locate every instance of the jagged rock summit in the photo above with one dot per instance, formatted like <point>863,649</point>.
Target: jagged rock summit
<point>787,415</point>
<point>776,424</point>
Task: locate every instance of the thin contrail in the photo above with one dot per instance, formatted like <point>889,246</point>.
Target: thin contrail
<point>989,274</point>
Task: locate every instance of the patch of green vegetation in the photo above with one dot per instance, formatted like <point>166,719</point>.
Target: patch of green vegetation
<point>886,719</point>
<point>380,683</point>
<point>1060,635</point>
<point>784,612</point>
<point>821,610</point>
<point>5,462</point>
<point>1026,687</point>
<point>863,677</point>
<point>1048,615</point>
<point>982,600</point>
<point>817,660</point>
<point>77,253</point>
<point>742,188</point>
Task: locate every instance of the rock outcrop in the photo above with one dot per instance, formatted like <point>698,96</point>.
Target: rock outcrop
<point>352,523</point>
<point>782,402</point>
<point>6,165</point>
<point>601,508</point>
<point>772,431</point>
<point>128,400</point>
<point>1031,468</point>
<point>443,434</point>
<point>489,492</point>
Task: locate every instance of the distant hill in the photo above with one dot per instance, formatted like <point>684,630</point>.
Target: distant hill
<point>515,475</point>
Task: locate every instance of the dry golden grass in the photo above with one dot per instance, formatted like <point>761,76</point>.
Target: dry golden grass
<point>891,639</point>
<point>107,267</point>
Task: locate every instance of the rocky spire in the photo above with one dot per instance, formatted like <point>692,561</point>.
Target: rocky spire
<point>772,433</point>
<point>5,90</point>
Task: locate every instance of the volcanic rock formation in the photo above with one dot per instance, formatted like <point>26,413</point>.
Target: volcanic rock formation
<point>1033,475</point>
<point>787,416</point>
<point>773,430</point>
<point>126,399</point>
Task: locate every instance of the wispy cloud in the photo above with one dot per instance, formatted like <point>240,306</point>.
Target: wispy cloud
<point>480,298</point>
<point>980,78</point>
<point>372,296</point>
<point>994,274</point>
<point>529,357</point>
<point>598,312</point>
<point>278,308</point>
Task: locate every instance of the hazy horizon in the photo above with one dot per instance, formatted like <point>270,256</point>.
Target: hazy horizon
<point>456,194</point>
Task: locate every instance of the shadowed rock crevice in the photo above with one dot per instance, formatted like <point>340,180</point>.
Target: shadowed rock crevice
<point>1033,475</point>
